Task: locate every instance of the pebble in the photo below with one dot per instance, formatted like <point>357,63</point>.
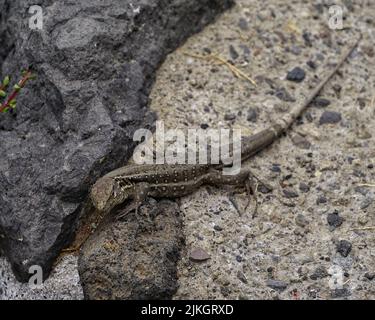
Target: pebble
<point>321,102</point>
<point>366,202</point>
<point>290,193</point>
<point>230,116</point>
<point>334,220</point>
<point>275,168</point>
<point>303,187</point>
<point>243,24</point>
<point>301,221</point>
<point>330,117</point>
<point>218,228</point>
<point>301,142</point>
<point>296,75</point>
<point>277,285</point>
<point>233,52</point>
<point>311,64</point>
<point>204,126</point>
<point>252,115</point>
<point>284,95</point>
<point>370,275</point>
<point>242,277</point>
<point>340,293</point>
<point>344,247</point>
<point>199,255</point>
<point>321,200</point>
<point>319,273</point>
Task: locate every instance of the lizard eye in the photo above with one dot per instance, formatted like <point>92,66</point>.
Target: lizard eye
<point>101,192</point>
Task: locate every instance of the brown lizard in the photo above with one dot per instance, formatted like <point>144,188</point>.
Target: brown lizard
<point>136,182</point>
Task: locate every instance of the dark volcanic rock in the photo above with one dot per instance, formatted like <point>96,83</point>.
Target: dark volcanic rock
<point>334,220</point>
<point>330,117</point>
<point>125,260</point>
<point>296,75</point>
<point>344,247</point>
<point>95,63</point>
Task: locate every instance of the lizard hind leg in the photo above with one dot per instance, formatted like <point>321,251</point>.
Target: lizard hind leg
<point>140,195</point>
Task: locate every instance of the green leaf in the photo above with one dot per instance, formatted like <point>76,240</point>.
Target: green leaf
<point>6,81</point>
<point>3,94</point>
<point>12,103</point>
<point>17,87</point>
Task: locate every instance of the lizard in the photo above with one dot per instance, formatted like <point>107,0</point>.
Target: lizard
<point>138,181</point>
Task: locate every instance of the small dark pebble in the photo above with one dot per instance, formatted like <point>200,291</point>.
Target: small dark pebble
<point>204,126</point>
<point>370,166</point>
<point>334,220</point>
<point>233,52</point>
<point>319,273</point>
<point>301,221</point>
<point>296,75</point>
<point>252,115</point>
<point>309,117</point>
<point>242,23</point>
<point>239,259</point>
<point>301,142</point>
<point>225,291</point>
<point>284,95</point>
<point>344,247</point>
<point>199,255</point>
<point>246,50</point>
<point>296,50</point>
<point>311,64</point>
<point>330,117</point>
<point>242,277</point>
<point>321,102</point>
<point>289,193</point>
<point>230,116</point>
<point>263,189</point>
<point>218,228</point>
<point>275,168</point>
<point>341,293</point>
<point>307,37</point>
<point>277,285</point>
<point>370,275</point>
<point>321,199</point>
<point>303,187</point>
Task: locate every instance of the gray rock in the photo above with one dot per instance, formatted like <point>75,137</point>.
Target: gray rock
<point>334,220</point>
<point>199,255</point>
<point>131,259</point>
<point>319,273</point>
<point>344,247</point>
<point>94,62</point>
<point>296,75</point>
<point>330,117</point>
<point>277,285</point>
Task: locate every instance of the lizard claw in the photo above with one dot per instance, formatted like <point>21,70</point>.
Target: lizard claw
<point>134,206</point>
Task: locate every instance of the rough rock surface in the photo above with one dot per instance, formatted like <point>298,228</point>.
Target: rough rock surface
<point>279,244</point>
<point>134,258</point>
<point>95,62</point>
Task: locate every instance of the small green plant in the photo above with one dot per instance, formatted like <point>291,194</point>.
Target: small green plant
<point>10,101</point>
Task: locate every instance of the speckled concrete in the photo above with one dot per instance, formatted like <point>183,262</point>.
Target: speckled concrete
<point>289,251</point>
<point>63,284</point>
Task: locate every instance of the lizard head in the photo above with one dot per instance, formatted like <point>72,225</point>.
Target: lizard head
<point>106,194</point>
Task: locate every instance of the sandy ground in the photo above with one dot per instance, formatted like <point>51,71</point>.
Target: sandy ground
<point>290,250</point>
<point>317,213</point>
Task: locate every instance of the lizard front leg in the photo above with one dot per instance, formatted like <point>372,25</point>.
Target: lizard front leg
<point>140,194</point>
